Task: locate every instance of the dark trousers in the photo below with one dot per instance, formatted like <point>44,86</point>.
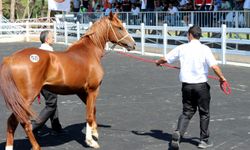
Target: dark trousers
<point>50,111</point>
<point>195,96</point>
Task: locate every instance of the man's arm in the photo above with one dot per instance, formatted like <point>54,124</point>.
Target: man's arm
<point>219,73</point>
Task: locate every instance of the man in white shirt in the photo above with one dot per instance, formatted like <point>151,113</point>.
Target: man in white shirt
<point>195,59</point>
<point>246,7</point>
<point>50,111</point>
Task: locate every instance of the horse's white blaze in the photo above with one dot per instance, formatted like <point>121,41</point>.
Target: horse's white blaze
<point>10,147</point>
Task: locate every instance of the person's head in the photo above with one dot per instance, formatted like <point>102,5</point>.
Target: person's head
<point>194,32</point>
<point>46,37</point>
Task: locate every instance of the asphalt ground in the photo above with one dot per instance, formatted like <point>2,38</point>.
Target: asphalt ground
<point>138,108</point>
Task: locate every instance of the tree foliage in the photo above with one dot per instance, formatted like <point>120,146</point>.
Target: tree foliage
<point>26,8</point>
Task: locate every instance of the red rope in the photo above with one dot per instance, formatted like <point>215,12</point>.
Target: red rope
<point>225,86</point>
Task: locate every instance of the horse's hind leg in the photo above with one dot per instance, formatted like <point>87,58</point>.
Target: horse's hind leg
<point>28,130</point>
<point>12,124</point>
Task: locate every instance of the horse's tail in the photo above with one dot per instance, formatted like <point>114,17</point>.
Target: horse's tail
<point>13,99</point>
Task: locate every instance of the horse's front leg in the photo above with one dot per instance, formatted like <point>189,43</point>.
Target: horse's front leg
<point>28,130</point>
<point>91,125</point>
<point>12,124</point>
<point>94,126</point>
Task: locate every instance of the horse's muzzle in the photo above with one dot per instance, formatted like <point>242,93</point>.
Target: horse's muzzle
<point>131,46</point>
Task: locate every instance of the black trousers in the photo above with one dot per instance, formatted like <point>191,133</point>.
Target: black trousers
<point>195,96</point>
<point>50,111</point>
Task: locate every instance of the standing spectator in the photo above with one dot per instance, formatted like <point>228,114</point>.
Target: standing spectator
<point>143,5</point>
<point>76,5</point>
<point>247,12</point>
<point>195,60</point>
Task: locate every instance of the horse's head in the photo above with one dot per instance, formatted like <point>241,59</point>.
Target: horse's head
<point>118,33</point>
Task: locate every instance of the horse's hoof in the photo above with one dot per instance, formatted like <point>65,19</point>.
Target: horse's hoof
<point>92,143</point>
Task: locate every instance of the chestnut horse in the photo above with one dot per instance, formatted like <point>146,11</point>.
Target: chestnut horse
<point>77,70</point>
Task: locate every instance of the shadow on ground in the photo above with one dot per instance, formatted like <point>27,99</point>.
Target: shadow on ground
<point>46,139</point>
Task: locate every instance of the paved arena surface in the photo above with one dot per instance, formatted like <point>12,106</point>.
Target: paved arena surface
<point>138,108</point>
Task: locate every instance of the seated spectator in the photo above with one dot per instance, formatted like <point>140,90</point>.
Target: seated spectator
<point>135,10</point>
<point>165,6</point>
<point>186,16</point>
<point>217,5</point>
<point>238,4</point>
<point>225,5</point>
<point>135,15</point>
<point>126,6</point>
<point>172,15</point>
<point>188,6</point>
<point>182,3</point>
<point>110,9</point>
<point>158,6</point>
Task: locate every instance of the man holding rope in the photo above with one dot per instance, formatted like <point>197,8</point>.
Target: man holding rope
<point>195,59</point>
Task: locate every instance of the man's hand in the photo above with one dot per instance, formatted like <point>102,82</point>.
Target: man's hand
<point>160,61</point>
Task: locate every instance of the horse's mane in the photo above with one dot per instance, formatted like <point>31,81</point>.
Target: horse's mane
<point>97,33</point>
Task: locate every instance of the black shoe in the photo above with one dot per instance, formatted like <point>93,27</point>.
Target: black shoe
<point>175,143</point>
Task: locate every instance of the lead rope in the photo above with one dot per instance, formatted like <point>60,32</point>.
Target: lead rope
<point>225,86</point>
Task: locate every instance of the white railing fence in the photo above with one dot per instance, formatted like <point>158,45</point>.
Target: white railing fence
<point>151,40</point>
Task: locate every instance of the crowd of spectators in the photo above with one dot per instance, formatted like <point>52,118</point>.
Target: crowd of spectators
<point>155,5</point>
<point>170,6</point>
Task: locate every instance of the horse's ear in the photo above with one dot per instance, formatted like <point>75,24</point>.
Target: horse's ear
<point>116,15</point>
<point>111,15</point>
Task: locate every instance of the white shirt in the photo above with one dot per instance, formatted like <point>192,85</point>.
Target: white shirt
<point>246,4</point>
<point>143,4</point>
<point>135,11</point>
<point>195,59</point>
<point>45,46</point>
<point>173,10</point>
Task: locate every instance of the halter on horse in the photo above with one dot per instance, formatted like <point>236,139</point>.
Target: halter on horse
<point>77,70</point>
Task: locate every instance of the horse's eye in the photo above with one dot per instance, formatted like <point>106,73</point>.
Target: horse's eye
<point>120,28</point>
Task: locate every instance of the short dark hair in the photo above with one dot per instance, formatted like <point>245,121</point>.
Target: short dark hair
<point>44,35</point>
<point>195,31</point>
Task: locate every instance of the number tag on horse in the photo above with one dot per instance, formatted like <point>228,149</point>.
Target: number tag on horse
<point>34,58</point>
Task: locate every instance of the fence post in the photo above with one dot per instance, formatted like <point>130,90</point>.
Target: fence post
<point>65,33</point>
<point>55,31</point>
<point>165,39</point>
<point>142,38</point>
<point>27,32</point>
<point>223,43</point>
<point>78,30</point>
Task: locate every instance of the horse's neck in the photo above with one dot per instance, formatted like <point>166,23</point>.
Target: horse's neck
<point>86,45</point>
